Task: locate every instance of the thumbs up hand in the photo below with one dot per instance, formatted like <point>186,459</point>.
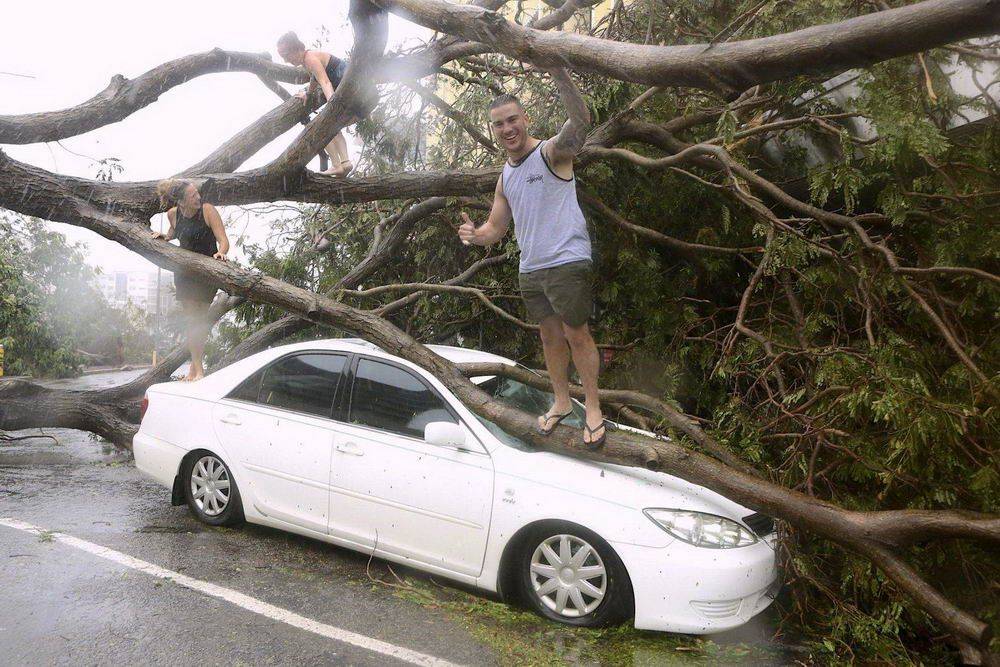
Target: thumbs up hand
<point>467,231</point>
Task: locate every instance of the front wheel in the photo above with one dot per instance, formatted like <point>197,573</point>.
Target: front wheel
<point>569,574</point>
<point>211,491</point>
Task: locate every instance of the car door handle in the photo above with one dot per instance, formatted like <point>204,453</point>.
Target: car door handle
<point>350,448</point>
<point>231,419</point>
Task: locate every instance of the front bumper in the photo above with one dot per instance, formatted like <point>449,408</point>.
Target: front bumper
<point>683,588</point>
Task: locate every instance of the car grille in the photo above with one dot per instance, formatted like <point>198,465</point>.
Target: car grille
<point>760,524</point>
<point>717,610</point>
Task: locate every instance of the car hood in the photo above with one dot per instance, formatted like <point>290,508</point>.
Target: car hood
<point>627,486</point>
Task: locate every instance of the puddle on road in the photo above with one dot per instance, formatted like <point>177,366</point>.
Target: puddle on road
<point>15,458</point>
<point>58,447</point>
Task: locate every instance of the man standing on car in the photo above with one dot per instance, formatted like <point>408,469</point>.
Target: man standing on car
<point>538,190</point>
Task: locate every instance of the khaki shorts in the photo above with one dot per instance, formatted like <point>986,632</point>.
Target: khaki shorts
<point>564,290</point>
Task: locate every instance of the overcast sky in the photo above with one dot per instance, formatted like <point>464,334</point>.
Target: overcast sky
<point>71,49</point>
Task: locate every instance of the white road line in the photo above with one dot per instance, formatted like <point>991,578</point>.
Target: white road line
<point>238,599</point>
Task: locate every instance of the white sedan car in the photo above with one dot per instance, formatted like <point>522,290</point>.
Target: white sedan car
<point>342,442</point>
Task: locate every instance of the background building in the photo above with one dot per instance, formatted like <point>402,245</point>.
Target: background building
<point>138,288</point>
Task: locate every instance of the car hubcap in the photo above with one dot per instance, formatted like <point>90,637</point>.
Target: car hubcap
<point>210,485</point>
<point>568,576</point>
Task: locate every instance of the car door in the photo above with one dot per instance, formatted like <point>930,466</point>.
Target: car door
<point>413,499</point>
<point>277,424</point>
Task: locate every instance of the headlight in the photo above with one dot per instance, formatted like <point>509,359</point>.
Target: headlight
<point>702,530</point>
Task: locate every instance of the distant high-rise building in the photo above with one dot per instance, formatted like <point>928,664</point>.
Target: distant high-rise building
<point>138,288</point>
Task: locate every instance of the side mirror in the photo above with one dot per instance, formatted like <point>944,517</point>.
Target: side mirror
<point>446,434</point>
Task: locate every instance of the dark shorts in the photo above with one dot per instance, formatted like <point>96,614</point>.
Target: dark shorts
<point>192,289</point>
<point>565,290</point>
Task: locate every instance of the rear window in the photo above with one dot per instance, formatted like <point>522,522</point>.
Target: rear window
<point>248,389</point>
<point>305,383</point>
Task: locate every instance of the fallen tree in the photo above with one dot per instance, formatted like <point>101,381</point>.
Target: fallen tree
<point>875,538</point>
<point>885,537</point>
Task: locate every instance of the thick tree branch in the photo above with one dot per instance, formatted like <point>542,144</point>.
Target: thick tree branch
<point>231,155</point>
<point>727,68</point>
<point>25,405</point>
<point>138,198</point>
<point>677,419</point>
<point>124,97</point>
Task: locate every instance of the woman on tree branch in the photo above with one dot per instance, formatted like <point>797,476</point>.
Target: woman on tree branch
<point>327,70</point>
<point>198,227</point>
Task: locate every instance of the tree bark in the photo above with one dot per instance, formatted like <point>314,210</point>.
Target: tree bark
<point>25,405</point>
<point>730,67</point>
<point>124,97</point>
<point>138,199</point>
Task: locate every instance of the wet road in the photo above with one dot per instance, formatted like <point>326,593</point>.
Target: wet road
<point>60,604</point>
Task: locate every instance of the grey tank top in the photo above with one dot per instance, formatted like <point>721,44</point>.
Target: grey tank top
<point>548,222</point>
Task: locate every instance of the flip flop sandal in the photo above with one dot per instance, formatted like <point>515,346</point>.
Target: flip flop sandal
<point>594,445</point>
<point>549,418</point>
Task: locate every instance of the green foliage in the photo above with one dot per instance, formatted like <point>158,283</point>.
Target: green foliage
<point>51,310</point>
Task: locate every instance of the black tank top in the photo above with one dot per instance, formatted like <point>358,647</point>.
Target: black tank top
<point>194,233</point>
<point>331,70</point>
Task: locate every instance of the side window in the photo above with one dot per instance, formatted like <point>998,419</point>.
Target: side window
<point>303,383</point>
<point>248,389</point>
<point>392,399</point>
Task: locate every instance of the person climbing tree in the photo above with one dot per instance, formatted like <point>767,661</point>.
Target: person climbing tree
<point>326,70</point>
<point>198,226</point>
<point>537,188</point>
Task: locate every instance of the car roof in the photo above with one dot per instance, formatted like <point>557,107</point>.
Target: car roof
<point>457,355</point>
<point>220,382</point>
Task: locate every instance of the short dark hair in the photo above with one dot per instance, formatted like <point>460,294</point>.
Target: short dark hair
<point>505,98</point>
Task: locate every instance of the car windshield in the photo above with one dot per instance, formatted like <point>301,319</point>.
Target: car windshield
<point>521,396</point>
